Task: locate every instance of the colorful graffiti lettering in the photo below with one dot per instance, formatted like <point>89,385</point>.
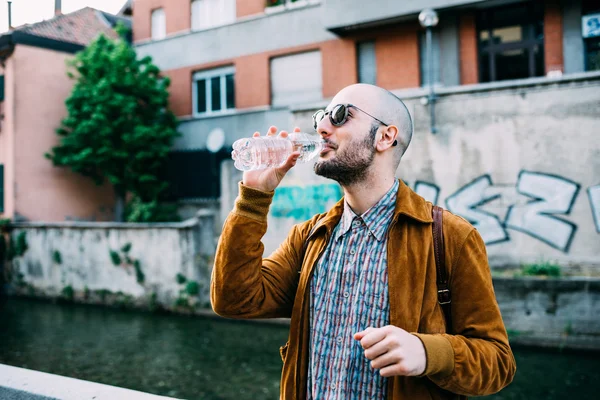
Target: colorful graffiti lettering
<point>550,196</point>
<point>302,202</point>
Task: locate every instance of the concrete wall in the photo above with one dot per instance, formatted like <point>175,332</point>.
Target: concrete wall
<point>519,163</point>
<point>519,160</point>
<point>74,261</point>
<point>24,384</point>
<point>551,312</point>
<point>298,27</point>
<point>31,121</point>
<point>346,13</point>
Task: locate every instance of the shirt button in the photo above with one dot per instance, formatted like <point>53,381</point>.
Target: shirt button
<point>333,386</point>
<point>346,294</point>
<point>339,340</point>
<point>352,251</point>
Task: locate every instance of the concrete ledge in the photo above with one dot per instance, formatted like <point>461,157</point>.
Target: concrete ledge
<point>24,384</point>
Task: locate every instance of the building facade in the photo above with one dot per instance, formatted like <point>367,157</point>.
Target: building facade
<point>34,87</point>
<point>518,103</point>
<point>240,66</point>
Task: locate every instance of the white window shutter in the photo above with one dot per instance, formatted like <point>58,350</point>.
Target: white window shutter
<point>296,79</point>
<point>158,24</point>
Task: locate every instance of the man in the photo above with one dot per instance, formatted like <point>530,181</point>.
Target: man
<point>359,282</point>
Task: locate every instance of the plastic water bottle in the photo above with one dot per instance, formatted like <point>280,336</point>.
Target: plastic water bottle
<point>272,151</point>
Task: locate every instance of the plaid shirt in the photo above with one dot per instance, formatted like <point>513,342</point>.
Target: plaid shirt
<point>349,292</point>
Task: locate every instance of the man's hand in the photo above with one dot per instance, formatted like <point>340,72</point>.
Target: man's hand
<point>268,179</point>
<point>393,351</point>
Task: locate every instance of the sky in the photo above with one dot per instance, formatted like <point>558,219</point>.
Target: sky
<point>30,11</point>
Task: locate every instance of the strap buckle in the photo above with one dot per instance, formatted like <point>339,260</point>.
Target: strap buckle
<point>444,296</point>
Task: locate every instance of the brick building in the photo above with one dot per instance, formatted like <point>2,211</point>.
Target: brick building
<point>240,66</point>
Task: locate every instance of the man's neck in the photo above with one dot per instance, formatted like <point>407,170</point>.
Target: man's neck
<point>363,195</point>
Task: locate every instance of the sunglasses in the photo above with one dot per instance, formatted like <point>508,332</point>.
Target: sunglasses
<point>338,116</point>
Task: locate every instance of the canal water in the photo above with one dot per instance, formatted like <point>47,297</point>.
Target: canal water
<point>207,358</point>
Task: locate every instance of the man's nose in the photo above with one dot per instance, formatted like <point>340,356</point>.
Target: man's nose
<point>324,127</point>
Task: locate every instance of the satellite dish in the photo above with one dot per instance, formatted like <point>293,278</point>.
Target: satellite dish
<point>215,140</point>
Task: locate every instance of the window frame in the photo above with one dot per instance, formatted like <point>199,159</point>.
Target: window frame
<point>207,75</point>
<point>528,43</point>
<point>359,45</point>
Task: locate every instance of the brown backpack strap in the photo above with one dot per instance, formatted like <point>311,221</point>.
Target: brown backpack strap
<point>444,297</point>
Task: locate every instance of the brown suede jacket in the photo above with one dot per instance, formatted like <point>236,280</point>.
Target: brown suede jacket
<point>474,360</point>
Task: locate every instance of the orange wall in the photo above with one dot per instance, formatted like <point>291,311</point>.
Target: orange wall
<point>249,7</point>
<point>41,191</point>
<point>469,65</point>
<point>397,57</point>
<point>178,14</point>
<point>252,75</point>
<point>553,33</point>
<point>339,65</point>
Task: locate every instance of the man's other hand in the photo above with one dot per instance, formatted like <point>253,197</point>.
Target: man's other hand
<point>393,351</point>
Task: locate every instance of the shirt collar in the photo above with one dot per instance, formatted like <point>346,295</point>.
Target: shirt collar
<point>376,218</point>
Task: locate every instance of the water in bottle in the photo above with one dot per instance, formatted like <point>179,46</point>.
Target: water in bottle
<point>271,151</point>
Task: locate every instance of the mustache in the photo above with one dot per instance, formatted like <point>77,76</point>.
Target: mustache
<point>330,144</point>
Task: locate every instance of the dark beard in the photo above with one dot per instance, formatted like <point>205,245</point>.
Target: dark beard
<point>352,165</point>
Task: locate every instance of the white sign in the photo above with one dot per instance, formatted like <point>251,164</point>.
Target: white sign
<point>215,140</point>
<point>590,25</point>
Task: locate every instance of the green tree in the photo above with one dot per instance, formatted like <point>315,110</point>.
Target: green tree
<point>119,128</point>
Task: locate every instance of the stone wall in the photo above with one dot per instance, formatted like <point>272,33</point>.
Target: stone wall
<point>143,265</point>
<point>551,312</point>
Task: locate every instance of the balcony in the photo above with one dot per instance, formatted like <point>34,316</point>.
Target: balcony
<point>340,16</point>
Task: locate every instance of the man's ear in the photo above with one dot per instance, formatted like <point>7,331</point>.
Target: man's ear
<point>387,137</point>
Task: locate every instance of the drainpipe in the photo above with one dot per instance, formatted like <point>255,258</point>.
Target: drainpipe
<point>428,19</point>
<point>9,15</point>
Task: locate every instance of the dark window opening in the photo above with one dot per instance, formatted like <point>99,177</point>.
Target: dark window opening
<point>201,91</point>
<point>511,42</point>
<point>194,174</point>
<point>230,91</point>
<point>592,54</point>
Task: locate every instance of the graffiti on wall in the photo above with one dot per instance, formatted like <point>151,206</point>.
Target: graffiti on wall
<point>549,199</point>
<point>303,202</point>
<point>594,195</point>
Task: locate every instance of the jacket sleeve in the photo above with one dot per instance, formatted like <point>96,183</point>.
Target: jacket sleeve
<point>243,284</point>
<point>475,360</point>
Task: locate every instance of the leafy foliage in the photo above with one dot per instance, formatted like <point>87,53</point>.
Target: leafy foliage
<point>119,128</point>
<point>542,269</point>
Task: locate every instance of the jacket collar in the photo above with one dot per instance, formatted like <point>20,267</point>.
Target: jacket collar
<point>408,204</point>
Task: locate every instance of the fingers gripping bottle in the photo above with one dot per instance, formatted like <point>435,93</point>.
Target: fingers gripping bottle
<point>272,151</point>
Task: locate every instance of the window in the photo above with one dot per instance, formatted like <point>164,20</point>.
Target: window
<point>1,188</point>
<point>511,42</point>
<point>367,66</point>
<point>158,24</point>
<point>194,174</point>
<point>213,91</point>
<point>296,79</point>
<point>590,21</point>
<point>209,13</point>
<point>424,57</point>
<point>592,54</point>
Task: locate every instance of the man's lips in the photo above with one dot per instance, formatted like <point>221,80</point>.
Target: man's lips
<point>327,147</point>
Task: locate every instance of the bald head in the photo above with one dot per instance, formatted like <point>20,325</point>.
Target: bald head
<point>383,105</point>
